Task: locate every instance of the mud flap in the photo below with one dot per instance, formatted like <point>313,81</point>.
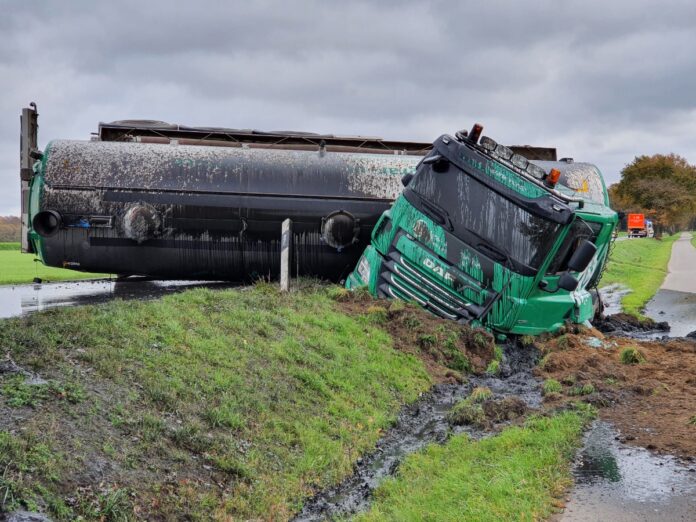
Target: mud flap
<point>597,305</point>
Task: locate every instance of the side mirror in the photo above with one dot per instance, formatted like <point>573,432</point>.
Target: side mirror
<point>567,282</point>
<point>582,256</point>
<point>406,179</point>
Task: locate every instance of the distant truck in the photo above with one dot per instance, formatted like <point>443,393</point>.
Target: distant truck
<point>637,225</point>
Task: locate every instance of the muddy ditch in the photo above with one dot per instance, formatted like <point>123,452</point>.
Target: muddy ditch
<point>429,421</point>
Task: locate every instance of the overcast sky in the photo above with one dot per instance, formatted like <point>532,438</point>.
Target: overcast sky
<point>603,81</point>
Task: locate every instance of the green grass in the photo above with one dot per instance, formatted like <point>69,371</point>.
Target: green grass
<point>641,266</point>
<point>481,394</point>
<point>206,404</point>
<point>17,268</point>
<point>631,355</point>
<point>551,386</point>
<point>517,475</point>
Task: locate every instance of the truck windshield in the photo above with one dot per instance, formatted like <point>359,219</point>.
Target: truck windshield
<point>474,208</point>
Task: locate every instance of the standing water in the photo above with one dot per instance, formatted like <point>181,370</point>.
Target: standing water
<point>618,483</point>
<point>22,299</point>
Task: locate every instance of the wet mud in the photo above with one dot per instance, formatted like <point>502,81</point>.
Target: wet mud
<point>18,300</point>
<point>611,298</point>
<point>621,483</point>
<point>627,325</point>
<point>651,401</point>
<point>420,424</point>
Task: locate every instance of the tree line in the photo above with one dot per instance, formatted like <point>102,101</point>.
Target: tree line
<point>663,187</point>
<point>9,228</point>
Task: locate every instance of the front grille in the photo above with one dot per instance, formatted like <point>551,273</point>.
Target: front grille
<point>401,279</point>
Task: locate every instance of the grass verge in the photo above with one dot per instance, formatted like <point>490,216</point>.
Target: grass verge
<point>641,266</point>
<point>516,475</point>
<point>206,404</point>
<point>18,268</point>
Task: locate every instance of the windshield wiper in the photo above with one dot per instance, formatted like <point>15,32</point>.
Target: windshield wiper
<point>499,252</point>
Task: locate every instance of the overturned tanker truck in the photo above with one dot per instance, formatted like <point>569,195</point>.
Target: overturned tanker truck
<point>495,244</point>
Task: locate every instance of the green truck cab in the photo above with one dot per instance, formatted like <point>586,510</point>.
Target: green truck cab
<point>481,235</point>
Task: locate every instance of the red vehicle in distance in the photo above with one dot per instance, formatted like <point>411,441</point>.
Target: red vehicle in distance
<point>637,225</point>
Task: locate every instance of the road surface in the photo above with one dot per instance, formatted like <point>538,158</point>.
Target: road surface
<point>682,267</point>
<point>675,302</point>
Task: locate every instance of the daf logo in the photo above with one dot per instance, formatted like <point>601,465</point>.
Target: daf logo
<point>429,263</point>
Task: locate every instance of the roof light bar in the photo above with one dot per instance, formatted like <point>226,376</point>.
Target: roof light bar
<point>536,171</point>
<point>519,161</point>
<point>488,143</point>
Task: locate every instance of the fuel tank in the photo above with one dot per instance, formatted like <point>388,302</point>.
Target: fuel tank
<point>171,210</point>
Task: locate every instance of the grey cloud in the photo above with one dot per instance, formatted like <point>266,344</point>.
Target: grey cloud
<point>601,80</point>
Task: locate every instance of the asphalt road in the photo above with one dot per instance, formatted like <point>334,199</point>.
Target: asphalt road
<point>682,267</point>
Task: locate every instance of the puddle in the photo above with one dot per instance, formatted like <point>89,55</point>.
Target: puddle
<point>22,299</point>
<point>623,483</point>
<point>418,425</point>
<point>611,296</point>
<point>677,308</point>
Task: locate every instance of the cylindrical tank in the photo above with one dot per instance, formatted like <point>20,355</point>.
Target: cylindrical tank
<point>204,212</point>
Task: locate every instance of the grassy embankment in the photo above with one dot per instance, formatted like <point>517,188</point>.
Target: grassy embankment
<point>17,268</point>
<point>517,475</point>
<point>236,403</point>
<point>641,266</point>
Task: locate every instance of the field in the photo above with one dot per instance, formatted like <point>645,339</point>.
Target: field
<point>641,266</point>
<point>234,404</point>
<point>18,268</point>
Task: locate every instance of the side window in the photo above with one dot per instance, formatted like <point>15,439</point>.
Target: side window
<point>579,230</point>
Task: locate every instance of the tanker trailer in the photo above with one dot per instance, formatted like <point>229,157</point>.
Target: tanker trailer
<point>176,202</point>
<point>168,201</point>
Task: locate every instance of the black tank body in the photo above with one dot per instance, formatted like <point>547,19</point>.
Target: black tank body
<point>211,212</point>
